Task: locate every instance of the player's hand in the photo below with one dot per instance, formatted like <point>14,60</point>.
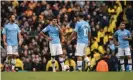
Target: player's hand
<point>125,38</point>
<point>68,42</point>
<point>88,44</point>
<point>5,44</point>
<point>20,42</point>
<point>49,39</point>
<point>62,41</point>
<point>58,25</point>
<point>116,43</point>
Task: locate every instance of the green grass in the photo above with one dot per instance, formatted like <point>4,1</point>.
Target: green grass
<point>67,76</point>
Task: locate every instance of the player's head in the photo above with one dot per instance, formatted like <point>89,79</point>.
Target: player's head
<point>54,21</point>
<point>80,16</point>
<point>12,18</point>
<point>122,25</point>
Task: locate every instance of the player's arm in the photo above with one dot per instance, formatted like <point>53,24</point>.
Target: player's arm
<point>4,40</point>
<point>4,36</point>
<point>61,33</point>
<point>129,37</point>
<point>44,35</point>
<point>20,40</point>
<point>89,35</point>
<point>19,36</point>
<point>89,38</point>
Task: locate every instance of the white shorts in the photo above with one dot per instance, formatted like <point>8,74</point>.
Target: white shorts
<point>12,50</point>
<point>81,49</point>
<point>123,52</point>
<point>55,49</point>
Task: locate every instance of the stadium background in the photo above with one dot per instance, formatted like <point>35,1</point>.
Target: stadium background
<point>33,16</point>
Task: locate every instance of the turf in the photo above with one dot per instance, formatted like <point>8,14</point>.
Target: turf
<point>67,76</point>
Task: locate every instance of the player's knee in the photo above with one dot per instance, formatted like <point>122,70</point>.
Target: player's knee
<point>79,58</point>
<point>122,57</point>
<point>9,56</point>
<point>14,56</point>
<point>61,55</point>
<point>53,57</point>
<point>85,56</point>
<point>129,57</point>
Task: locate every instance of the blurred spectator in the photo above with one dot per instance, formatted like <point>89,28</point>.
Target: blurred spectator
<point>129,14</point>
<point>102,66</point>
<point>71,63</point>
<point>112,47</point>
<point>113,63</point>
<point>49,66</point>
<point>27,65</point>
<point>36,65</point>
<point>19,65</point>
<point>43,65</point>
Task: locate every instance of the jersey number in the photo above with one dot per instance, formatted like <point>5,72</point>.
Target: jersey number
<point>85,30</point>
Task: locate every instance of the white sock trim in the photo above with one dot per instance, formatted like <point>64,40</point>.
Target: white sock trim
<point>79,65</point>
<point>130,64</point>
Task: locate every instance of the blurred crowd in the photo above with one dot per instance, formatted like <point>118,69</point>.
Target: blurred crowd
<point>33,16</point>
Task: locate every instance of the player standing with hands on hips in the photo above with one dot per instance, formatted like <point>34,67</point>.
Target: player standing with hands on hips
<point>54,30</point>
<point>123,36</point>
<point>11,38</point>
<point>83,31</point>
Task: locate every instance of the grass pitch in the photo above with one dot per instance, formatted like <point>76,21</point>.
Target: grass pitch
<point>67,76</point>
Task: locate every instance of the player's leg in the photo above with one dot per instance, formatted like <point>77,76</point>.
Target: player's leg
<point>14,56</point>
<point>128,54</point>
<point>9,57</point>
<point>120,56</point>
<point>53,53</point>
<point>79,55</point>
<point>8,62</point>
<point>86,59</point>
<point>61,58</point>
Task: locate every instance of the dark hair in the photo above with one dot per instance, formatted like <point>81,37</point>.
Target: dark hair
<point>80,15</point>
<point>122,22</point>
<point>11,15</point>
<point>54,17</point>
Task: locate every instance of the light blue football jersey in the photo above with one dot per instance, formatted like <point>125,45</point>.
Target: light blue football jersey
<point>53,32</point>
<point>11,31</point>
<point>121,34</point>
<point>82,28</point>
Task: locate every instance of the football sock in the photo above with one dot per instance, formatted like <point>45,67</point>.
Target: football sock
<point>79,65</point>
<point>61,60</point>
<point>122,64</point>
<point>53,63</point>
<point>13,62</point>
<point>130,64</point>
<point>86,59</point>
